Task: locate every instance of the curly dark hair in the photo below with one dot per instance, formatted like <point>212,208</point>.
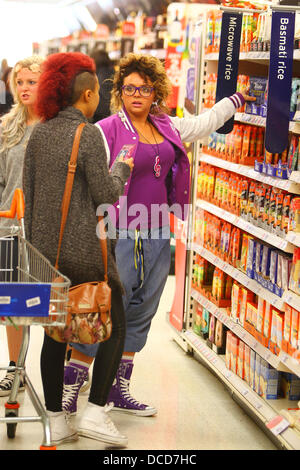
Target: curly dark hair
<point>147,67</point>
<point>57,81</point>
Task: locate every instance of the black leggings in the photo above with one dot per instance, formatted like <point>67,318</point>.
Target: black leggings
<point>105,366</point>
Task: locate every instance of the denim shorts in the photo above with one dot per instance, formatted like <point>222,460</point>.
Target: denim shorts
<point>143,286</point>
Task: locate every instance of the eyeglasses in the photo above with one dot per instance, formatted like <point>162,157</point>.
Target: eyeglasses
<point>144,90</point>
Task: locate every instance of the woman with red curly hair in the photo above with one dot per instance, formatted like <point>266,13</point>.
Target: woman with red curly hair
<point>68,95</point>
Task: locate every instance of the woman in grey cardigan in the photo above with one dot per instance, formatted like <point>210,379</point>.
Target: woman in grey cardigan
<point>68,95</point>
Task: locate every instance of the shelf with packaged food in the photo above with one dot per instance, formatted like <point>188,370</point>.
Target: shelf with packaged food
<point>264,410</point>
<point>282,362</point>
<point>254,64</point>
<point>237,329</point>
<point>289,185</point>
<point>239,276</point>
<point>270,238</point>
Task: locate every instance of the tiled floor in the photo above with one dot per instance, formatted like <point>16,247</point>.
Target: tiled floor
<point>194,409</point>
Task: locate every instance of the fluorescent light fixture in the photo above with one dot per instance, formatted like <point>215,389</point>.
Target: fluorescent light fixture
<point>69,20</point>
<point>105,4</point>
<point>84,17</point>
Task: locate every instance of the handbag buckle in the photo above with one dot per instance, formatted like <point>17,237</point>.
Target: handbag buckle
<point>72,167</point>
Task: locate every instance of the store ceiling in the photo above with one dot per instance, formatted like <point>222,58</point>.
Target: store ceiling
<point>103,11</point>
<point>55,2</point>
<point>105,4</point>
<point>109,12</point>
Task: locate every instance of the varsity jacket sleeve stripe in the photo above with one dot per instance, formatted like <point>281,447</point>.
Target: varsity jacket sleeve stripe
<point>105,143</point>
<point>197,127</point>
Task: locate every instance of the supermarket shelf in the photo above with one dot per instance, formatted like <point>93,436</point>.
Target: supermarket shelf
<point>250,119</point>
<point>239,276</point>
<point>237,329</point>
<point>291,186</point>
<point>294,238</point>
<point>261,121</point>
<point>292,299</point>
<point>290,362</point>
<point>255,56</point>
<point>272,239</point>
<point>212,56</point>
<point>282,362</point>
<point>295,176</point>
<point>263,410</point>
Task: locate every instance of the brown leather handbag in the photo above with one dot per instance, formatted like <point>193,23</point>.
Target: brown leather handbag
<point>89,307</point>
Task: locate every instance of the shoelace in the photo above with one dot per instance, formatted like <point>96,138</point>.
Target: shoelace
<point>7,381</point>
<point>112,428</point>
<point>68,420</point>
<point>124,386</point>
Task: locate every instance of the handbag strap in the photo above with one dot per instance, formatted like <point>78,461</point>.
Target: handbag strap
<point>66,202</point>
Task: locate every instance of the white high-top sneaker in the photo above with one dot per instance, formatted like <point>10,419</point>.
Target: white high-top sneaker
<point>60,428</point>
<point>96,424</point>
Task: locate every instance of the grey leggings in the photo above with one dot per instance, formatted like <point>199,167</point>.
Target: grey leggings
<point>105,366</point>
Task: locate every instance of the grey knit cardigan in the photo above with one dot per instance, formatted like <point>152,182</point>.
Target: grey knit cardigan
<point>44,176</point>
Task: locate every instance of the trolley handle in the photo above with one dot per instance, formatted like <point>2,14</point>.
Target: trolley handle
<point>17,207</point>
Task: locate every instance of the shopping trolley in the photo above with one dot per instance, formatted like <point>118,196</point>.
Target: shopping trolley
<point>32,292</point>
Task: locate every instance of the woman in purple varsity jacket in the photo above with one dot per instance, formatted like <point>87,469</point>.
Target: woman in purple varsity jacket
<point>141,128</point>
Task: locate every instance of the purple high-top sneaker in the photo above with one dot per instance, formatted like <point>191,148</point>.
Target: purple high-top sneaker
<point>120,396</point>
<point>75,376</point>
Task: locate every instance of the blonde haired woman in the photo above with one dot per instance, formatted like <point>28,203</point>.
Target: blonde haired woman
<point>15,130</point>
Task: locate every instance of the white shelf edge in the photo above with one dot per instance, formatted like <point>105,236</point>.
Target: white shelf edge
<point>272,239</point>
<point>291,298</point>
<point>251,55</point>
<point>289,185</point>
<point>239,276</point>
<point>262,409</point>
<point>290,362</point>
<point>255,55</point>
<point>294,238</point>
<point>295,177</point>
<point>260,121</point>
<point>250,119</point>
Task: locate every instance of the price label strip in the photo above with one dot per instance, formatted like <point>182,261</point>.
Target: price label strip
<point>277,425</point>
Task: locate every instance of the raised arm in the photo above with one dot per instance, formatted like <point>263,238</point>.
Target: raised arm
<point>197,127</point>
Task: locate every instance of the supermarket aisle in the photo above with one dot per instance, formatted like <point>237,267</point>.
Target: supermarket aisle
<point>194,409</point>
